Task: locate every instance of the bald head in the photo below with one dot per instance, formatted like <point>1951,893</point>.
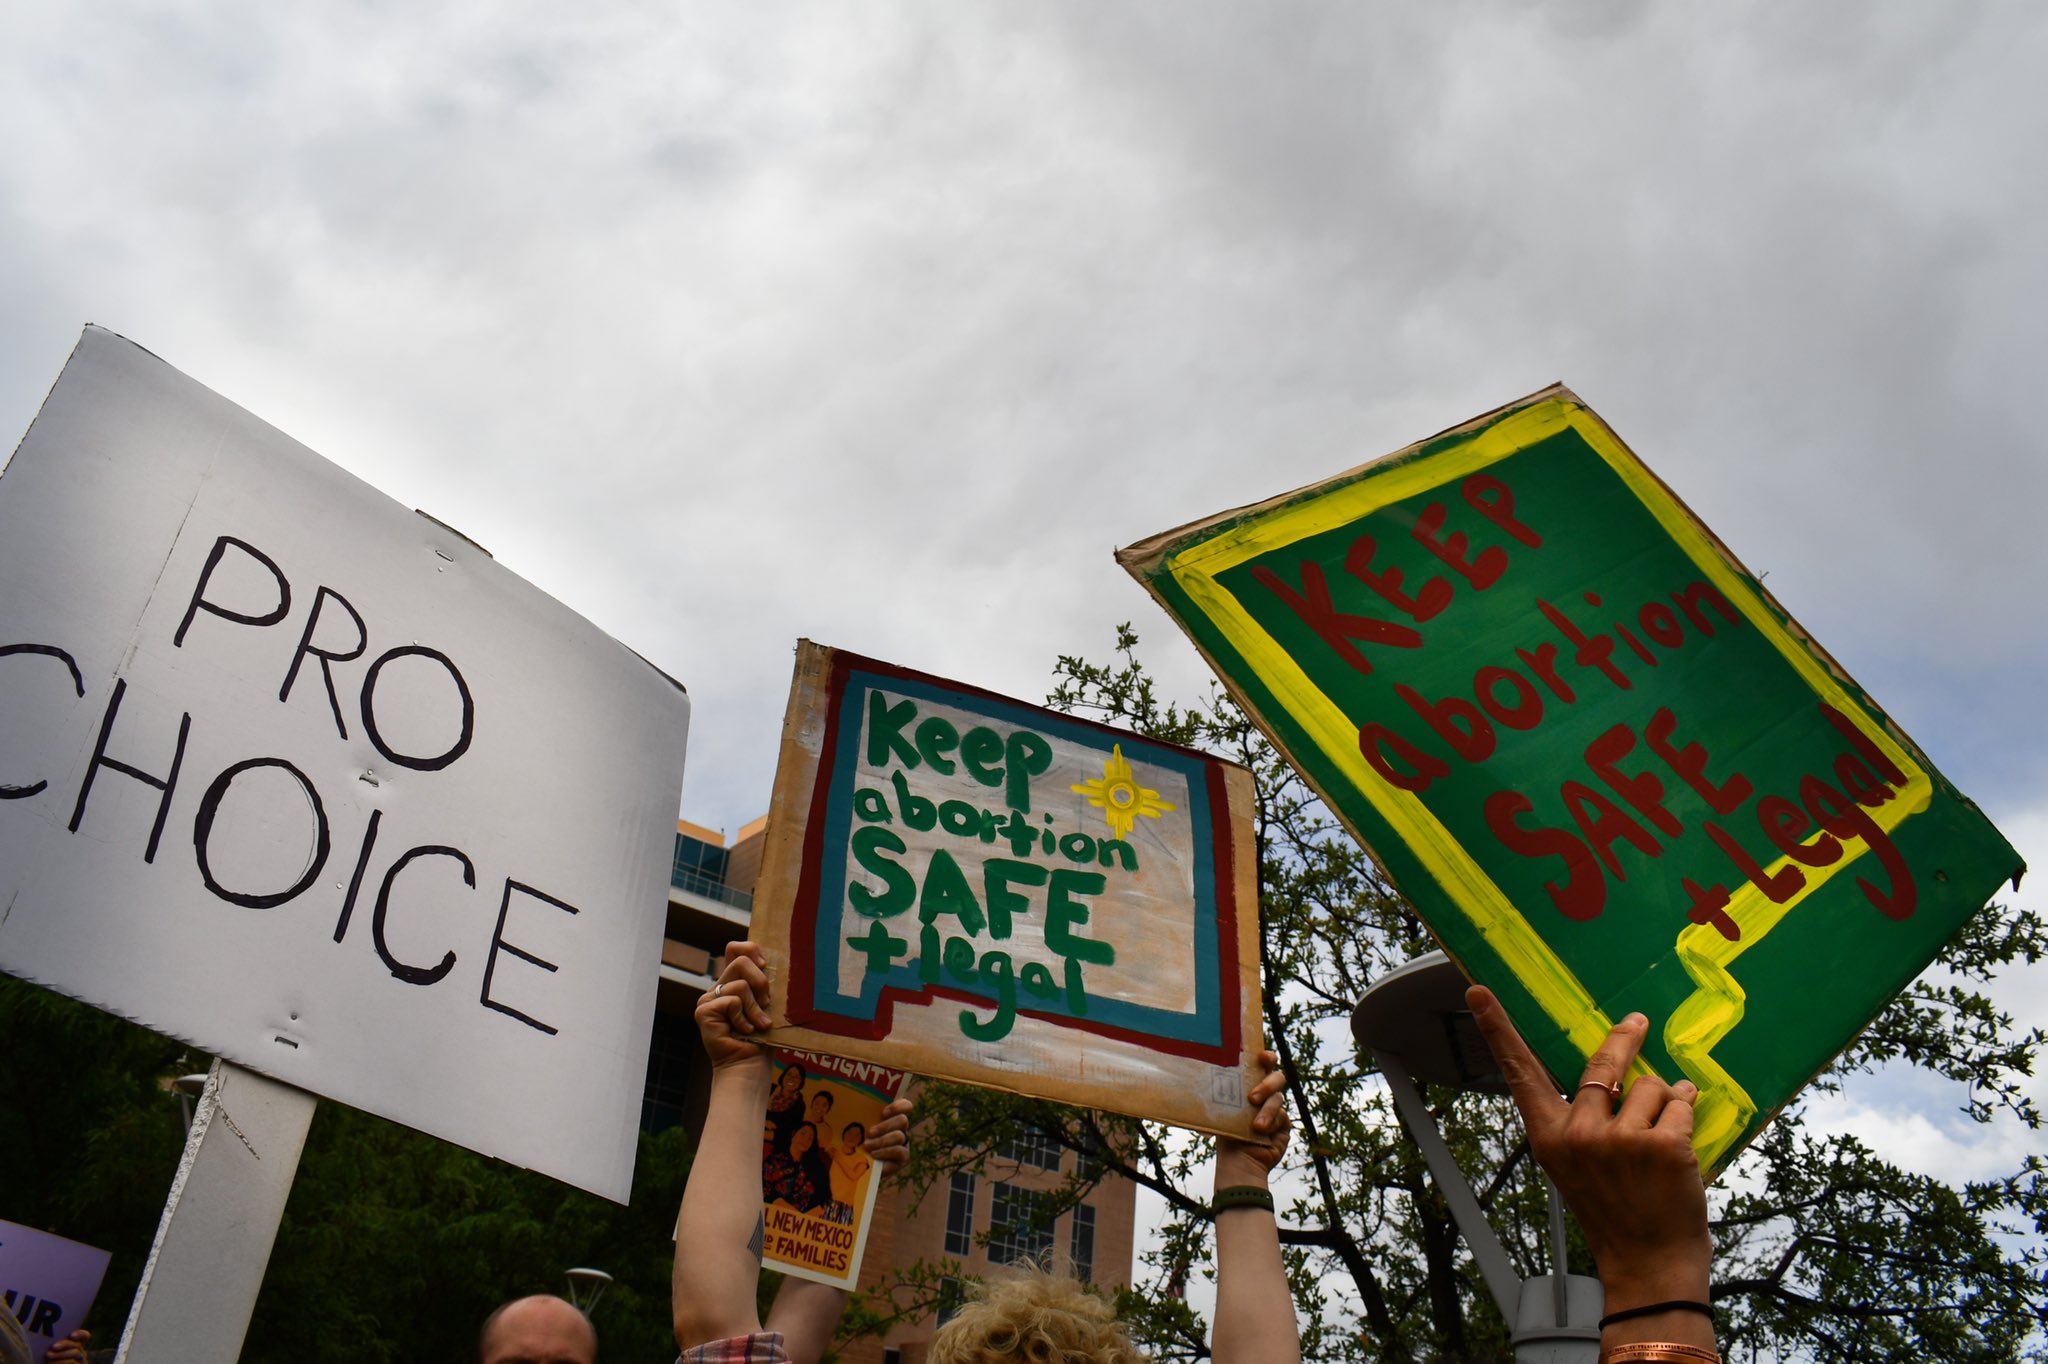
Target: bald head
<point>542,1329</point>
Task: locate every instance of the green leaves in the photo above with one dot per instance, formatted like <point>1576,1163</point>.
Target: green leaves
<point>394,1245</point>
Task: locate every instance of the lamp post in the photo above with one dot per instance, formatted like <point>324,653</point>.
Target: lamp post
<point>189,1088</point>
<point>1414,1025</point>
<point>591,1281</point>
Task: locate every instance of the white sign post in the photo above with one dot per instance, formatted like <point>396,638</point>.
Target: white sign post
<point>206,1266</point>
<point>308,780</point>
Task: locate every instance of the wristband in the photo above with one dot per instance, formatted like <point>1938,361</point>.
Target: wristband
<point>1659,1352</point>
<point>1241,1196</point>
<point>1652,1309</point>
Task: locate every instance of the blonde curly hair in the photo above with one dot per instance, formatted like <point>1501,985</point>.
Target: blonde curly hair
<point>1028,1315</point>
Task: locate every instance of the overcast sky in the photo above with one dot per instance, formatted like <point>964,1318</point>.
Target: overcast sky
<point>884,325</point>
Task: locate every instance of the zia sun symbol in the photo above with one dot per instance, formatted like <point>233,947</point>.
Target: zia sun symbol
<point>1117,794</point>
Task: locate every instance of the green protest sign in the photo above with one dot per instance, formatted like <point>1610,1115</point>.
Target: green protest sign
<point>1604,764</point>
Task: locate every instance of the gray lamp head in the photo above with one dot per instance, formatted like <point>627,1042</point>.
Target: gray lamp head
<point>586,1286</point>
<point>1416,1013</point>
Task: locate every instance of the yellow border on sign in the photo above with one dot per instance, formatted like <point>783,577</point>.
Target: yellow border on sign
<point>1715,1007</point>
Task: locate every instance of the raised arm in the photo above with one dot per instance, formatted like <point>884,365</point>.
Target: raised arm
<point>1630,1177</point>
<point>717,1257</point>
<point>1254,1307</point>
<point>806,1312</point>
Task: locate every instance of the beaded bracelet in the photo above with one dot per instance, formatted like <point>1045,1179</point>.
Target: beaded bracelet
<point>1241,1196</point>
<point>1659,1352</point>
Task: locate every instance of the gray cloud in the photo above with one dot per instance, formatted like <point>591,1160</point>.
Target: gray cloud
<point>885,326</point>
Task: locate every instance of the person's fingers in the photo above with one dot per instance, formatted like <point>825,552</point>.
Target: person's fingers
<point>889,1146</point>
<point>1269,1096</point>
<point>1607,1068</point>
<point>720,1010</point>
<point>746,979</point>
<point>1280,1133</point>
<point>1528,1082</point>
<point>734,1010</point>
<point>1609,1064</point>
<point>1647,1097</point>
<point>889,1139</point>
<point>1273,1082</point>
<point>1676,1116</point>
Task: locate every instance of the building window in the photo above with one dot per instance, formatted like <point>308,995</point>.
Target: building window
<point>1015,1229</point>
<point>952,1293</point>
<point>1083,1243</point>
<point>1033,1148</point>
<point>960,1216</point>
<point>699,858</point>
<point>671,1056</point>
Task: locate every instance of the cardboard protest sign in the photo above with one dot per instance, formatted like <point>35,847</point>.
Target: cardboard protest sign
<point>1605,766</point>
<point>963,886</point>
<point>306,779</point>
<point>818,1186</point>
<point>47,1283</point>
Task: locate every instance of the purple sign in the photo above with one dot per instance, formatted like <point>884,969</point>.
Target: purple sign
<point>47,1282</point>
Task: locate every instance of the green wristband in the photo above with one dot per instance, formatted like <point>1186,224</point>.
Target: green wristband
<point>1241,1196</point>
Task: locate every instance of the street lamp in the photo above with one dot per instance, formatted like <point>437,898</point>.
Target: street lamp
<point>1414,1024</point>
<point>189,1087</point>
<point>591,1281</point>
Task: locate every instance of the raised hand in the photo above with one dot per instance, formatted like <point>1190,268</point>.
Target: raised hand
<point>1626,1170</point>
<point>736,1009</point>
<point>1270,1122</point>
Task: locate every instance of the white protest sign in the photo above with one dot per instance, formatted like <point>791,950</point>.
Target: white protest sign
<point>47,1283</point>
<point>306,779</point>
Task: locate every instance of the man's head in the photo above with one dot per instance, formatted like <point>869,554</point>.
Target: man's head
<point>821,1104</point>
<point>542,1329</point>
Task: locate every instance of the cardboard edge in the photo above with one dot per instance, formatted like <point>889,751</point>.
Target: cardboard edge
<point>798,1038</point>
<point>1241,791</point>
<point>1145,557</point>
<point>796,779</point>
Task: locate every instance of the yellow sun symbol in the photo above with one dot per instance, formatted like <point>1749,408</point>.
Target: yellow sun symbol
<point>1117,794</point>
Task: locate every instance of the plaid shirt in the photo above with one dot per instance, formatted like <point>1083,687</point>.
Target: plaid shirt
<point>762,1348</point>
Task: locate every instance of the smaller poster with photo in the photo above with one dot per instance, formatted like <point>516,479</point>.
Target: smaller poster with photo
<point>817,1185</point>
